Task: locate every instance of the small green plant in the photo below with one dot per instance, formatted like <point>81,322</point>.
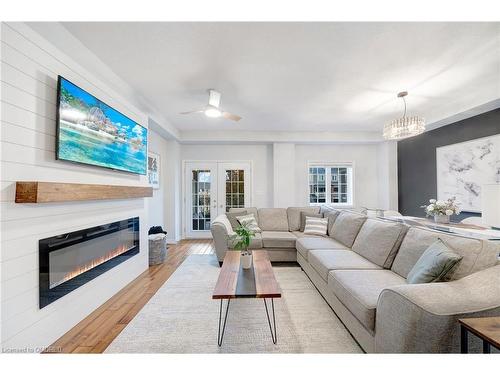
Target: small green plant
<point>243,235</point>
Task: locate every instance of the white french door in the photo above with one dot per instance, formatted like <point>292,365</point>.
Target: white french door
<point>200,198</point>
<point>211,189</point>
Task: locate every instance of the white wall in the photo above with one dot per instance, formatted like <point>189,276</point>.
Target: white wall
<point>173,195</point>
<point>388,175</point>
<point>284,183</point>
<point>262,165</point>
<point>157,204</point>
<point>364,157</point>
<point>30,66</point>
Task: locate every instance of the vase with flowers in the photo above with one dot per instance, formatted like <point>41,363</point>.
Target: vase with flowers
<point>442,210</point>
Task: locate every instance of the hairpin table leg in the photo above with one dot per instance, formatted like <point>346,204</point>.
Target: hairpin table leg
<point>273,330</point>
<point>220,335</point>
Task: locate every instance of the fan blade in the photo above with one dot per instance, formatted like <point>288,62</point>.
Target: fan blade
<point>188,113</point>
<point>214,98</point>
<point>230,116</point>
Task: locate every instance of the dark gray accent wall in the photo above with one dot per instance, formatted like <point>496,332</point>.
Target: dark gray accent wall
<point>417,159</point>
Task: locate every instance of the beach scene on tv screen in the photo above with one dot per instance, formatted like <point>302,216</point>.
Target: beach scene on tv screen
<point>91,132</point>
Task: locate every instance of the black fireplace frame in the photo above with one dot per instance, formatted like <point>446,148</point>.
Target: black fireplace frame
<point>48,245</point>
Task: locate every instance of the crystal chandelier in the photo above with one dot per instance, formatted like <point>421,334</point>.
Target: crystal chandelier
<point>404,127</point>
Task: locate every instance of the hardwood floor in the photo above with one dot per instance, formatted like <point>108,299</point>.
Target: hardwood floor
<point>94,333</point>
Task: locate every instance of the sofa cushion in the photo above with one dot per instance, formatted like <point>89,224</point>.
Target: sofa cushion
<point>278,239</point>
<point>299,234</point>
<point>332,216</point>
<point>249,210</point>
<point>358,290</point>
<point>325,209</point>
<point>231,216</point>
<point>346,227</point>
<point>273,219</point>
<point>305,244</point>
<point>379,241</point>
<point>304,215</point>
<point>255,242</point>
<point>293,215</point>
<point>477,254</point>
<point>324,261</point>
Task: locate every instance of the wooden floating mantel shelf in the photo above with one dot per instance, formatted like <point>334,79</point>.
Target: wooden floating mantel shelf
<point>45,192</point>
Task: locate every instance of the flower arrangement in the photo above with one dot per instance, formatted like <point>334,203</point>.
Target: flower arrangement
<point>442,208</point>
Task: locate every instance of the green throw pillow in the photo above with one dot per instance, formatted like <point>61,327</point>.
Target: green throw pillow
<point>434,264</point>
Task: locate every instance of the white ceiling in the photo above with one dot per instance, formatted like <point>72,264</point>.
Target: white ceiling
<point>302,76</point>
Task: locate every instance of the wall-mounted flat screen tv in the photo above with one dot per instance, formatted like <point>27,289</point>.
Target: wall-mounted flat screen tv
<point>91,132</point>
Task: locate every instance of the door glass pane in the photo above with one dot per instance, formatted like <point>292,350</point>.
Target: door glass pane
<point>201,199</point>
<point>235,194</point>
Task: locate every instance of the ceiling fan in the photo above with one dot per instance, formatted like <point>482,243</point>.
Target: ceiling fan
<point>212,109</point>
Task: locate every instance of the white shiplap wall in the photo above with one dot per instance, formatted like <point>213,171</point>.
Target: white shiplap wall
<point>29,70</point>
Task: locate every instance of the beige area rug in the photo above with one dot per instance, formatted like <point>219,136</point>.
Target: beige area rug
<point>182,318</point>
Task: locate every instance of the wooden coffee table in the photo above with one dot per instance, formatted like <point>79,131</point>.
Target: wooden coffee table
<point>256,282</point>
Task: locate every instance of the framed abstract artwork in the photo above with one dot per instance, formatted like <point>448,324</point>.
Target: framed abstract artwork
<point>462,168</point>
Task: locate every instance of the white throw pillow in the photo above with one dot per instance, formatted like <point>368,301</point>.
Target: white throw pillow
<point>316,226</point>
<point>250,221</point>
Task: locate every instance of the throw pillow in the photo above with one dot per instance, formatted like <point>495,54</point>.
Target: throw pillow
<point>232,217</point>
<point>316,226</point>
<point>250,221</point>
<point>434,264</point>
<point>303,215</point>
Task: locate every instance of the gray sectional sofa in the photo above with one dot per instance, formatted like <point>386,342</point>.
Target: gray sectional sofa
<point>361,266</point>
<point>280,230</point>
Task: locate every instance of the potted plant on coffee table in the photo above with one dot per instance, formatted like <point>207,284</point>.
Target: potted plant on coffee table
<point>242,237</point>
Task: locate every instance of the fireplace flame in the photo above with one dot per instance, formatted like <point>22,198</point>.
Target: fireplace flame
<point>78,270</point>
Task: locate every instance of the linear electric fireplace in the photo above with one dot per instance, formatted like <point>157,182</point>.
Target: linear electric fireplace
<point>72,259</point>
